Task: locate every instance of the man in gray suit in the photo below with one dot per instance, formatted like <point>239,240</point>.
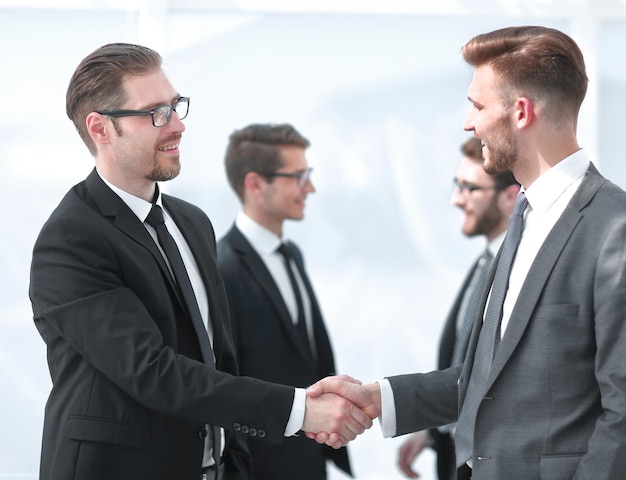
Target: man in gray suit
<point>551,403</point>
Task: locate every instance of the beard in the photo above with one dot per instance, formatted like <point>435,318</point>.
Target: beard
<point>503,150</point>
<point>160,173</point>
<point>486,221</point>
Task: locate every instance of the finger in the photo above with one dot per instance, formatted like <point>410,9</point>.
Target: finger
<point>348,378</point>
<point>336,441</point>
<point>321,437</point>
<point>405,467</point>
<point>334,384</point>
<point>362,418</point>
<point>315,390</point>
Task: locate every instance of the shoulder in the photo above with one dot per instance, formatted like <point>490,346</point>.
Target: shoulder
<point>229,248</point>
<point>178,205</point>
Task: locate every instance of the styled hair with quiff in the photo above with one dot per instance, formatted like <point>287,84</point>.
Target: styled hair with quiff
<point>256,148</point>
<point>98,82</point>
<point>533,61</point>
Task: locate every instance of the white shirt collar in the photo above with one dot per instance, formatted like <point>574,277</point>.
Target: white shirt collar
<point>263,240</point>
<point>139,206</point>
<point>550,185</point>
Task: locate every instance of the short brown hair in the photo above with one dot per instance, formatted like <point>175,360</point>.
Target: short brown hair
<point>256,148</point>
<point>97,83</point>
<point>541,62</point>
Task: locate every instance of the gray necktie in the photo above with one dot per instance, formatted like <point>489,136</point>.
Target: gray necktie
<point>471,306</point>
<point>489,336</point>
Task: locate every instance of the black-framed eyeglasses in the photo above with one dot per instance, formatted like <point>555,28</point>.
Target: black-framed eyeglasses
<point>465,188</point>
<point>303,177</point>
<point>161,115</point>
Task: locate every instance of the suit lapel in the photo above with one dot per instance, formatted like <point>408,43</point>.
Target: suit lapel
<point>541,268</point>
<point>200,249</point>
<point>122,217</point>
<point>260,274</point>
<point>323,350</point>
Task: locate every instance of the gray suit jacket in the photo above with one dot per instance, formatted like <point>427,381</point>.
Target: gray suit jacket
<point>556,404</point>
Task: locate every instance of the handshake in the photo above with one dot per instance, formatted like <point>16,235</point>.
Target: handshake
<point>339,408</point>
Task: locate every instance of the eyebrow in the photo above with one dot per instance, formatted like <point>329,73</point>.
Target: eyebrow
<point>160,104</point>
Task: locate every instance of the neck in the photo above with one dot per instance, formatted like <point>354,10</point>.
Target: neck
<point>264,220</point>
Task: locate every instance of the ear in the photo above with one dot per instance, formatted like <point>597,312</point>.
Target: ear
<point>509,195</point>
<point>524,112</point>
<point>254,183</point>
<point>97,128</point>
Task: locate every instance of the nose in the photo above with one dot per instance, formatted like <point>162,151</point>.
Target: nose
<point>176,124</point>
<point>457,199</point>
<point>309,187</point>
<point>468,124</point>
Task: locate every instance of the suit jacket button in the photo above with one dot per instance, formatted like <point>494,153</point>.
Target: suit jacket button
<point>245,429</point>
<point>237,427</point>
<point>253,432</point>
<point>261,434</point>
<point>203,433</point>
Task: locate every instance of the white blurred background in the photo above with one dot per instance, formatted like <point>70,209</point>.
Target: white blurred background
<point>378,87</point>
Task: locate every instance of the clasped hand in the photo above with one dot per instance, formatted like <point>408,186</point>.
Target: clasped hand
<point>339,408</point>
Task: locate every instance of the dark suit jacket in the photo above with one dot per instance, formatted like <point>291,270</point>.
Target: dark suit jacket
<point>268,347</point>
<point>130,393</point>
<point>556,401</point>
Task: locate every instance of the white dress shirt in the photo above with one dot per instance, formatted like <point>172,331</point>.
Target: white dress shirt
<point>548,196</point>
<point>141,208</point>
<point>265,244</point>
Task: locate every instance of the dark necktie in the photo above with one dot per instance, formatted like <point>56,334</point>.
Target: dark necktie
<point>489,335</point>
<point>168,244</point>
<point>283,249</point>
<point>472,307</point>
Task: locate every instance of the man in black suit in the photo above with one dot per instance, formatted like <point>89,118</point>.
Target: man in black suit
<point>135,321</point>
<point>487,202</point>
<point>278,331</point>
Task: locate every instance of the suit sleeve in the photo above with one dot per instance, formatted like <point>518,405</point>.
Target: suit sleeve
<point>606,454</point>
<point>425,400</point>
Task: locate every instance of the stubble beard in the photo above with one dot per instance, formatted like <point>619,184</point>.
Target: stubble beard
<point>163,174</point>
<point>503,150</point>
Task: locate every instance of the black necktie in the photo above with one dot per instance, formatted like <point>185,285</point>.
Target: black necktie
<point>168,244</point>
<point>283,249</point>
<point>471,307</point>
<point>489,335</point>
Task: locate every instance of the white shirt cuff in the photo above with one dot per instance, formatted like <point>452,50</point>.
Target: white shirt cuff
<point>387,417</point>
<point>296,419</point>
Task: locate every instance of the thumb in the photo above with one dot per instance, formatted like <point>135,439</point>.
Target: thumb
<point>330,384</point>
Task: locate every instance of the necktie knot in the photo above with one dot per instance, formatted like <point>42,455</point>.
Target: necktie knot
<point>283,250</point>
<point>155,217</point>
<point>520,204</point>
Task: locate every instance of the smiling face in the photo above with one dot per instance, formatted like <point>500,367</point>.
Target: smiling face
<point>134,154</point>
<point>281,198</point>
<point>485,209</point>
<point>491,120</point>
